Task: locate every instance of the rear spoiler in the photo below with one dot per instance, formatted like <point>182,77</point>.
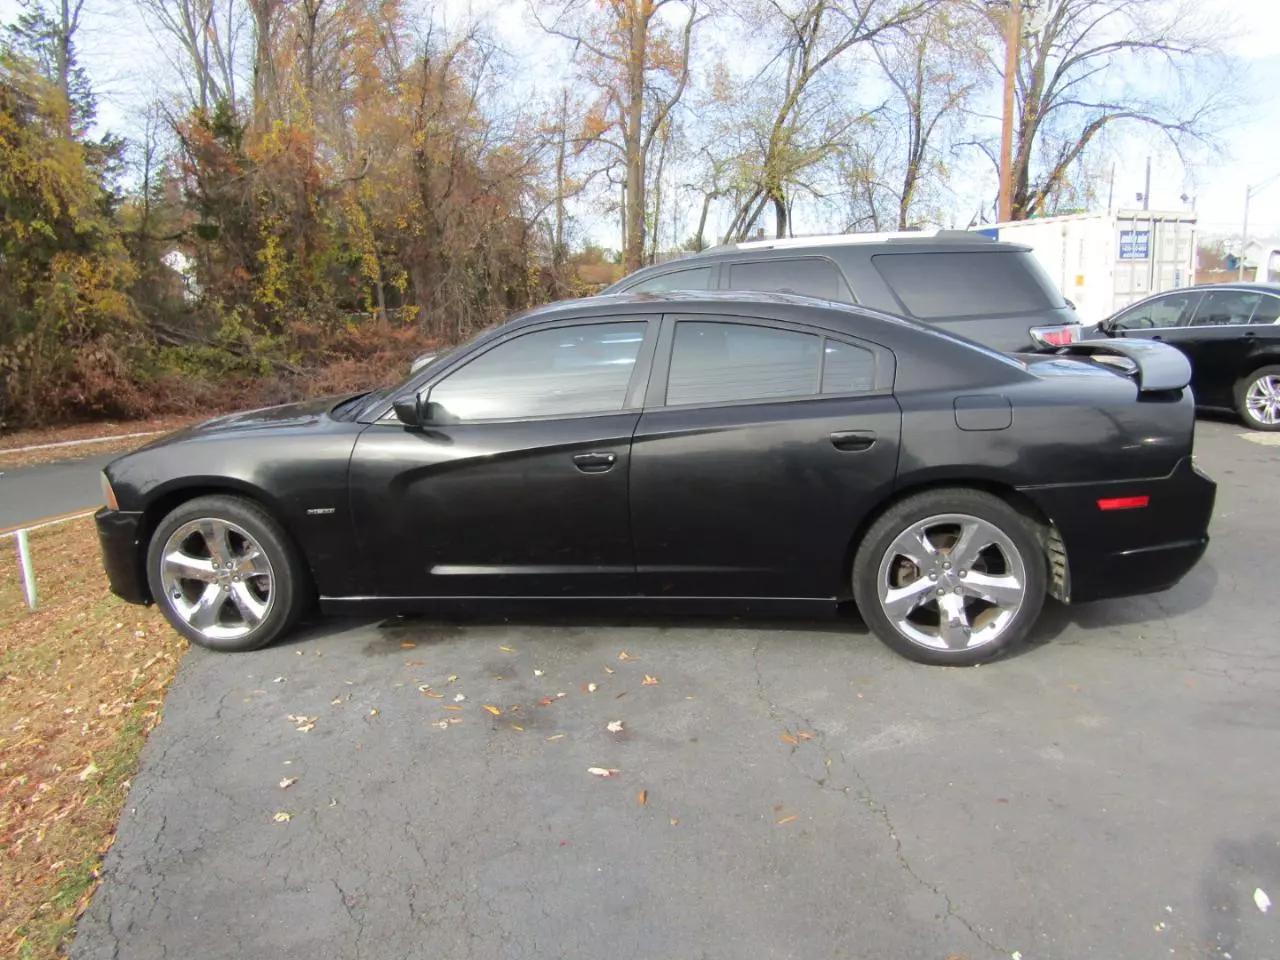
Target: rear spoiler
<point>1155,366</point>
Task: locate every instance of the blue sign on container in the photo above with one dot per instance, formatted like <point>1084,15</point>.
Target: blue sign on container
<point>1135,244</point>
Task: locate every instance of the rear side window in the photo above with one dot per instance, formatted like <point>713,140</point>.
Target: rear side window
<point>847,369</point>
<point>810,276</point>
<point>1226,308</point>
<point>696,279</point>
<point>1268,310</point>
<point>960,284</point>
<point>719,362</point>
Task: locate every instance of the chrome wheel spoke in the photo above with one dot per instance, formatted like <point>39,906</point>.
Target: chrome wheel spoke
<point>1002,591</point>
<point>899,602</point>
<point>215,534</point>
<point>953,622</point>
<point>184,566</point>
<point>250,607</point>
<point>204,614</point>
<point>914,545</point>
<point>252,563</point>
<point>974,538</point>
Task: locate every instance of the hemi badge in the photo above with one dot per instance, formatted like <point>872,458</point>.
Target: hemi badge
<point>317,511</point>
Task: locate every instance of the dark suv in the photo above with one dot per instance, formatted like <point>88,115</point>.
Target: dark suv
<point>992,292</point>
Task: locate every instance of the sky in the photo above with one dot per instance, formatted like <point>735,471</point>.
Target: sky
<point>126,64</point>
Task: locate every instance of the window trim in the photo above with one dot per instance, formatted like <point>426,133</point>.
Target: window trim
<point>659,377</point>
<point>632,399</point>
<point>726,274</point>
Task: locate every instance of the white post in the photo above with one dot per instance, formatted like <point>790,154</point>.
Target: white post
<point>1244,234</point>
<point>28,571</point>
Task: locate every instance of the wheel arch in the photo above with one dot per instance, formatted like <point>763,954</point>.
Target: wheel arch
<point>1055,552</point>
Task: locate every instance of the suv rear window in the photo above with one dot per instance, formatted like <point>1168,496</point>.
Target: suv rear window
<point>810,276</point>
<point>967,284</point>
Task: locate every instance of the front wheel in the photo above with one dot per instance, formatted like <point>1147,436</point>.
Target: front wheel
<point>224,573</point>
<point>1258,398</point>
<point>950,577</point>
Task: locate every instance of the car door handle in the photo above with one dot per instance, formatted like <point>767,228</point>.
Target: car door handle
<point>853,439</point>
<point>595,462</point>
<point>1156,336</point>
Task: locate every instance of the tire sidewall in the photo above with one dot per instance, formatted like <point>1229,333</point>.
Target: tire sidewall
<point>1242,389</point>
<point>270,537</point>
<point>898,517</point>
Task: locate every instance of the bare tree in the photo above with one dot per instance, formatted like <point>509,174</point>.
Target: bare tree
<point>207,35</point>
<point>1068,94</point>
<point>638,59</point>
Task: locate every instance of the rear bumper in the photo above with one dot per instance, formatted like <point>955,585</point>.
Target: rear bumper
<point>119,535</point>
<point>1118,553</point>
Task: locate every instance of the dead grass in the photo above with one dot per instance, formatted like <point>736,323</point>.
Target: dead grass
<point>81,685</point>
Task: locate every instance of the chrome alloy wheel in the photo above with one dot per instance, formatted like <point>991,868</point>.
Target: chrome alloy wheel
<point>217,578</point>
<point>1262,399</point>
<point>952,582</point>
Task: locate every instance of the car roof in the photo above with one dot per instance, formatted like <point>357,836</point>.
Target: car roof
<point>1249,285</point>
<point>870,244</point>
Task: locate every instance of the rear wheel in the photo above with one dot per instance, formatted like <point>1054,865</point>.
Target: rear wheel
<point>225,574</point>
<point>950,576</point>
<point>1258,398</point>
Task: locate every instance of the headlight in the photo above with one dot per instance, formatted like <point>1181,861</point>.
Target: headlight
<point>108,495</point>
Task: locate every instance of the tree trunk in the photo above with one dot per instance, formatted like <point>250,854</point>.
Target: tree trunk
<point>634,135</point>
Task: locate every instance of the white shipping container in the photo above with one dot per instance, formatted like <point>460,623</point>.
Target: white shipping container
<point>1105,261</point>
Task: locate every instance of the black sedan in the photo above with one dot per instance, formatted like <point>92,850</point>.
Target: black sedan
<point>1230,333</point>
<point>707,452</point>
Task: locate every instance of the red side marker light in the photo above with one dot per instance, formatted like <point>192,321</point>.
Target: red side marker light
<point>1123,503</point>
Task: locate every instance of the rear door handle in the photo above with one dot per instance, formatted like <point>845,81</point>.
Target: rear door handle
<point>1157,337</point>
<point>853,439</point>
<point>595,462</point>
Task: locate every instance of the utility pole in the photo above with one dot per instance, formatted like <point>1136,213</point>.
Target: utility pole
<point>1012,41</point>
<point>1250,191</point>
<point>1146,191</point>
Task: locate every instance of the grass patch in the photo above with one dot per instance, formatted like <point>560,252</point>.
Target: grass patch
<point>82,682</point>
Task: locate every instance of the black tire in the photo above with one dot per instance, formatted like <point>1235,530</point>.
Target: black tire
<point>289,582</point>
<point>1241,392</point>
<point>898,519</point>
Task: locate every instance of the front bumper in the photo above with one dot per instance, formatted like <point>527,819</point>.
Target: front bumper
<point>120,536</point>
<point>1118,553</point>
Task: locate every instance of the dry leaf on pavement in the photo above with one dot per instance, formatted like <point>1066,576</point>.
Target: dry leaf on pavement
<point>407,645</point>
<point>650,681</point>
<point>507,649</point>
<point>603,771</point>
<point>282,817</point>
<point>788,737</point>
<point>459,697</point>
<point>546,701</point>
<point>555,736</point>
<point>642,797</point>
<point>608,669</point>
<point>614,726</point>
<point>496,711</point>
<point>288,782</point>
<point>538,673</point>
<point>590,688</point>
<point>788,819</point>
<point>625,656</point>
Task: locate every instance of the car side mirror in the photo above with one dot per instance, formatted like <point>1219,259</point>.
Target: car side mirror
<point>409,409</point>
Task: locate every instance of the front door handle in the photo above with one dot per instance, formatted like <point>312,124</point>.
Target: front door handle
<point>853,439</point>
<point>595,462</point>
<point>1157,337</point>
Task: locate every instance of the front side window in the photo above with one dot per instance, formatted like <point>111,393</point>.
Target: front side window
<point>697,279</point>
<point>1157,314</point>
<point>559,372</point>
<point>1226,308</point>
<point>810,276</point>
<point>720,362</point>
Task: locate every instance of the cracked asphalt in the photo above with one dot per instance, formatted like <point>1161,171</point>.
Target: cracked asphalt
<point>1110,791</point>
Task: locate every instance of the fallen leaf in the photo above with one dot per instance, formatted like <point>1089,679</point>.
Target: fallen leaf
<point>458,698</point>
<point>1261,899</point>
<point>614,726</point>
<point>335,702</point>
<point>87,772</point>
<point>555,736</point>
<point>373,712</point>
<point>642,797</point>
<point>441,724</point>
<point>516,726</point>
<point>282,817</point>
<point>451,706</point>
<point>625,656</point>
<point>288,782</point>
<point>621,695</point>
<point>788,738</point>
<point>650,681</point>
<point>788,819</point>
<point>407,645</point>
<point>804,735</point>
<point>496,711</point>
<point>278,680</point>
<point>591,688</point>
<point>453,678</point>
<point>546,701</point>
<point>537,673</point>
<point>602,771</point>
<point>608,670</point>
<point>304,724</point>
<point>561,695</point>
<point>675,821</point>
<point>506,649</point>
<point>426,688</point>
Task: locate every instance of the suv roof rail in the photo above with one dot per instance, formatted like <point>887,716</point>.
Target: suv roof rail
<point>840,239</point>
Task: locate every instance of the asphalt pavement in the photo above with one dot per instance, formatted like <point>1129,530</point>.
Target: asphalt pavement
<point>51,489</point>
<point>782,789</point>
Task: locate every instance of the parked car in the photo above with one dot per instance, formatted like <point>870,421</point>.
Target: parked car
<point>1229,333</point>
<point>697,452</point>
<point>964,283</point>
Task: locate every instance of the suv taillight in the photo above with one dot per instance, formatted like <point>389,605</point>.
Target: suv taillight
<point>1056,336</point>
